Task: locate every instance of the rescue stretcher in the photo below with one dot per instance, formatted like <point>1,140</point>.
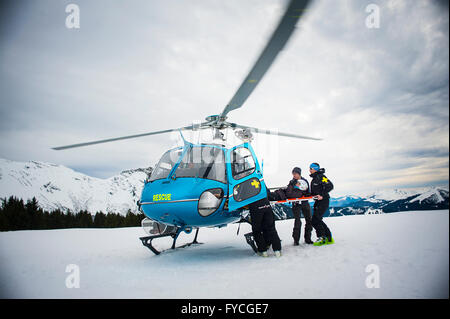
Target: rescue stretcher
<point>294,200</point>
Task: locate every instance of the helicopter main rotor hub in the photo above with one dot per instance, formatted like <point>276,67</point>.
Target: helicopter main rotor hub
<point>212,118</point>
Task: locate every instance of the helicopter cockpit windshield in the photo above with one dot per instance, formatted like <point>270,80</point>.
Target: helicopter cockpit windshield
<point>203,162</point>
<point>166,163</point>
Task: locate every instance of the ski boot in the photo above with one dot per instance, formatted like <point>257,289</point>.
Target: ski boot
<point>321,241</point>
<point>330,242</point>
<point>263,254</point>
<point>277,253</point>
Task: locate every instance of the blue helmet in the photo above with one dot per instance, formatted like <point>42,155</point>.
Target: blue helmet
<point>315,166</point>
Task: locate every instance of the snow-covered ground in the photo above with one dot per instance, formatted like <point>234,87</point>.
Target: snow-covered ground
<point>410,250</point>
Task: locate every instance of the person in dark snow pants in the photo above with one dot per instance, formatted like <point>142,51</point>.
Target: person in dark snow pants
<point>320,187</point>
<point>263,227</point>
<point>299,187</point>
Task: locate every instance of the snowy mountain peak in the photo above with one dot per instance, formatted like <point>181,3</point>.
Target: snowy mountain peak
<point>434,195</point>
<point>146,171</point>
<point>397,194</point>
<point>59,187</point>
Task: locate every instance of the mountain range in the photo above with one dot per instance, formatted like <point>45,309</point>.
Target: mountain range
<point>59,187</point>
<point>386,201</point>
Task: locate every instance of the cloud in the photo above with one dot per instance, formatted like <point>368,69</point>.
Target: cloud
<point>426,152</point>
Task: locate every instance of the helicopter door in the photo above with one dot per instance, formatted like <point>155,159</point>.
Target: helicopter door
<point>244,177</point>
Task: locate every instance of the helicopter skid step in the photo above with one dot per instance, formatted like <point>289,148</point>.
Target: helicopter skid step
<point>147,242</point>
<point>187,245</point>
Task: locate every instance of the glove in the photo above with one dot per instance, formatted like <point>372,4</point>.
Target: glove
<point>293,182</point>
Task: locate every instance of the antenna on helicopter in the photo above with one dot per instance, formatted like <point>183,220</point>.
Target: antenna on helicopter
<point>182,137</point>
<point>276,43</point>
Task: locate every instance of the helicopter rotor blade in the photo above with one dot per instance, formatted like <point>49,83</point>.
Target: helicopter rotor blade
<point>190,127</point>
<point>276,43</point>
<point>269,132</point>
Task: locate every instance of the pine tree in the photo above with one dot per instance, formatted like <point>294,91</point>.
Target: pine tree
<point>34,214</point>
<point>15,215</point>
<point>99,220</point>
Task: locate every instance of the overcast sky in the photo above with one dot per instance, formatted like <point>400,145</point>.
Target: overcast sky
<point>379,97</point>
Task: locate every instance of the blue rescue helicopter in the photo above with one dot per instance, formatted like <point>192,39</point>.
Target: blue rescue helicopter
<point>209,184</point>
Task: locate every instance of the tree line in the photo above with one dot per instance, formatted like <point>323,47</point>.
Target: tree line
<point>15,214</point>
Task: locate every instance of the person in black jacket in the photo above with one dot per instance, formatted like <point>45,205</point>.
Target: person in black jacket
<point>299,187</point>
<point>320,186</point>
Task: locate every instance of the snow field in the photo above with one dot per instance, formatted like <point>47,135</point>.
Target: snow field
<point>410,250</point>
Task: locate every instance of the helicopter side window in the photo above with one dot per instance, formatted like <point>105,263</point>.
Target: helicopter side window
<point>203,162</point>
<point>165,165</point>
<point>242,163</point>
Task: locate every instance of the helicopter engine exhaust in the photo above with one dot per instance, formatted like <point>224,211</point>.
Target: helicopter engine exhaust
<point>245,135</point>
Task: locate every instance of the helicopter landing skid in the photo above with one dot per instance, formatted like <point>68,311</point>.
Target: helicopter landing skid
<point>147,241</point>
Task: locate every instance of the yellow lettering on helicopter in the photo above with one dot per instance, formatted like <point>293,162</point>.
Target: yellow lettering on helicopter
<point>159,197</point>
<point>255,183</point>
